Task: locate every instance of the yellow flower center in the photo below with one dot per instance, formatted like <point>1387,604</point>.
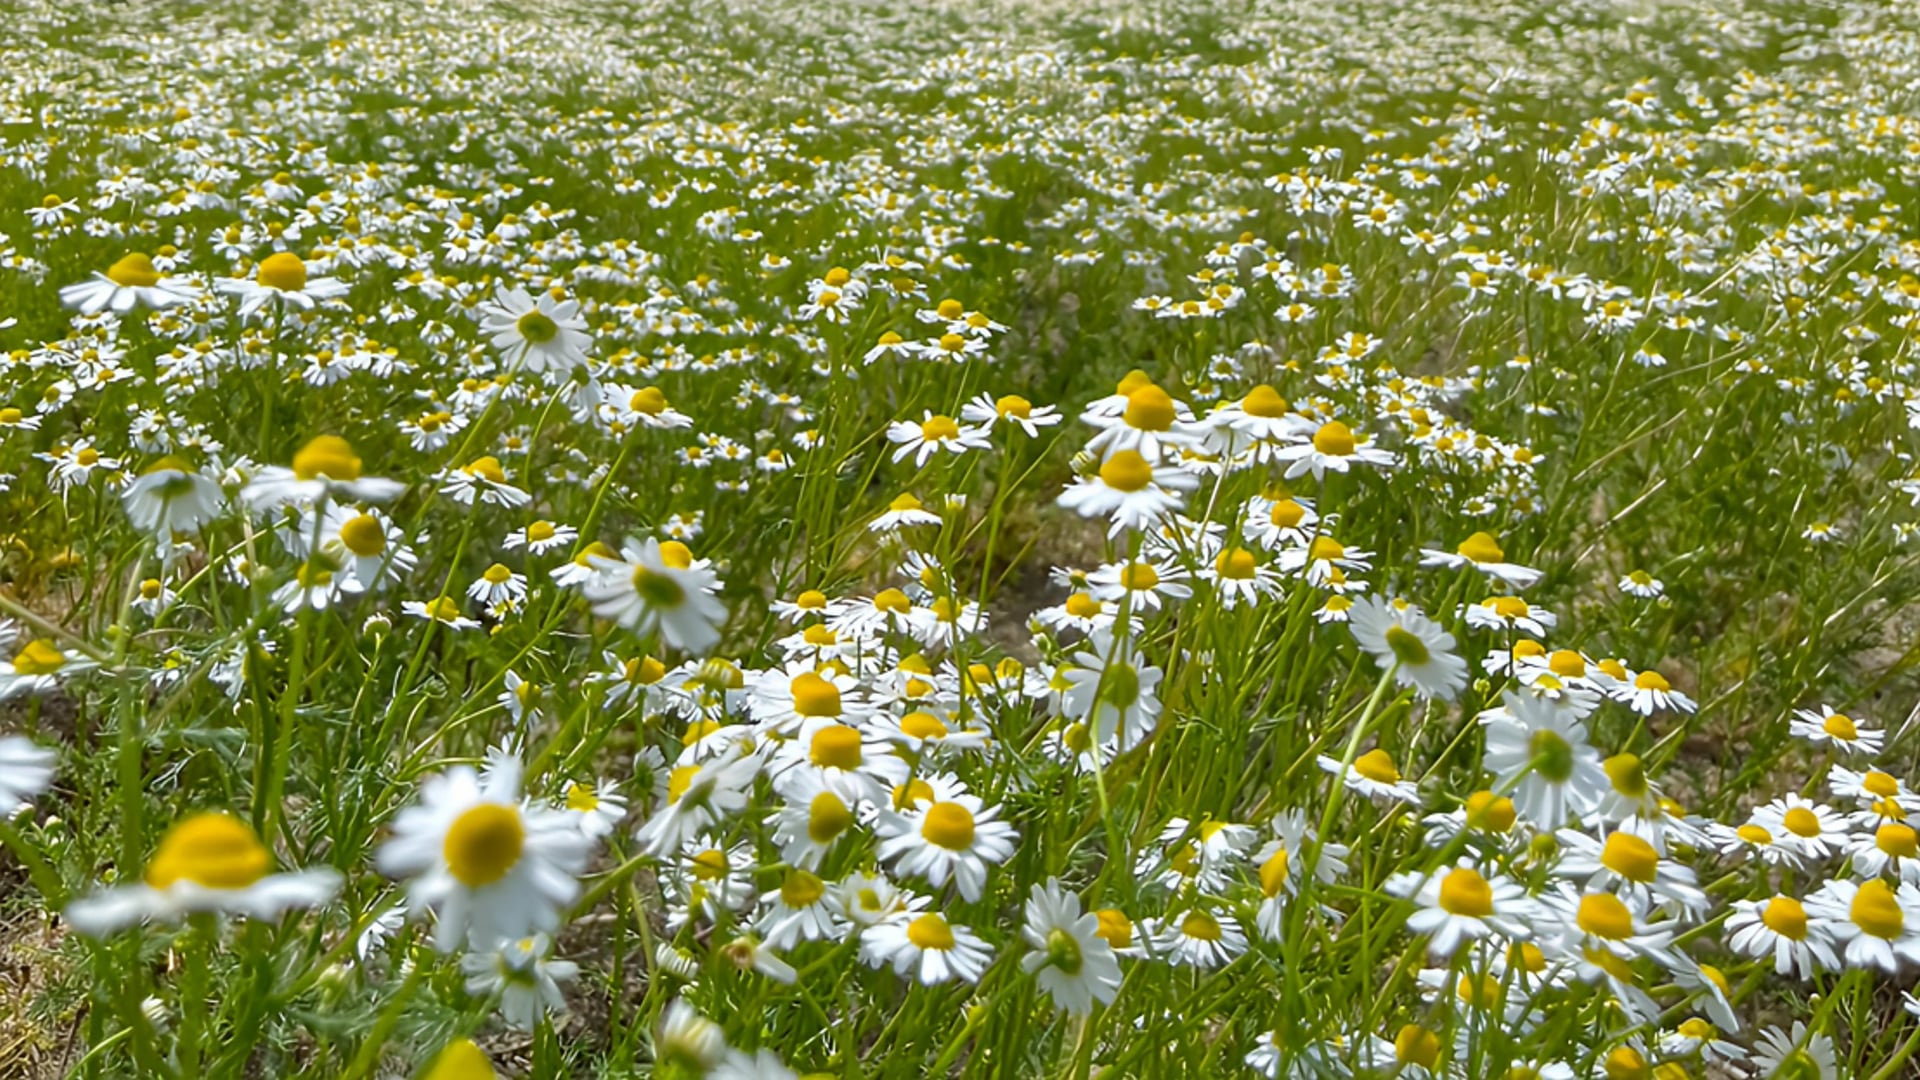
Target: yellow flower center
<point>1265,402</point>
<point>363,535</point>
<point>801,889</point>
<point>1287,514</point>
<point>484,843</point>
<point>1625,1063</point>
<point>905,501</point>
<point>1126,471</point>
<point>1567,664</point>
<point>1464,892</point>
<point>461,1060</point>
<point>709,865</point>
<point>1897,840</point>
<point>1490,812</point>
<point>212,850</point>
<point>442,608</point>
<point>581,798</point>
<point>1628,775</point>
<point>1334,439</point>
<point>1509,607</point>
<point>540,531</point>
<point>1652,680</point>
<point>915,790</point>
<point>1200,926</point>
<point>1015,406</point>
<point>1801,822</point>
<point>282,270</point>
<point>1884,785</point>
<point>1326,549</point>
<point>1273,872</point>
<point>1149,409</point>
<point>327,455</point>
<point>487,468</point>
<point>1553,756</point>
<point>814,696</point>
<point>38,657</point>
<point>1377,766</point>
<point>1115,928</point>
<point>836,747</point>
<point>1604,916</point>
<point>1785,916</point>
<point>1415,1045</point>
<point>1481,547</point>
<point>648,401</point>
<point>827,817</point>
<point>1630,857</point>
<point>1236,564</point>
<point>1841,727</point>
<point>133,271</point>
<point>1407,646</point>
<point>536,327</point>
<point>936,428</point>
<point>1875,910</point>
<point>948,825</point>
<point>930,931</point>
<point>923,725</point>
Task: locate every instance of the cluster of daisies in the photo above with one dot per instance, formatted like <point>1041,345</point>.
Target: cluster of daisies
<point>988,552</point>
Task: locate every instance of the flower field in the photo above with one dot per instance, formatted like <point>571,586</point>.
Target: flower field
<point>1281,539</point>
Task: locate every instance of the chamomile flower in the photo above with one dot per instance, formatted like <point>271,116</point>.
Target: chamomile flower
<point>934,434</point>
<point>1110,688</point>
<point>1419,651</point>
<point>1798,1052</point>
<point>282,279</point>
<point>801,909</point>
<point>1539,753</point>
<point>541,537</point>
<point>700,795</point>
<point>985,410</point>
<point>1460,904</point>
<point>1070,960</point>
<point>656,587</point>
<point>1482,552</point>
<point>1837,730</point>
<point>926,946</point>
<point>523,976</point>
<point>957,837</point>
<point>1332,448</point>
<point>1629,865</point>
<point>1129,490</point>
<point>1374,775</point>
<point>1818,831</point>
<point>538,334</point>
<point>1508,614</point>
<point>132,281</point>
<point>1641,584</point>
<point>1875,925</point>
<point>1648,692</point>
<point>1280,865</point>
<point>325,466</point>
<point>36,668</point>
<point>597,810</point>
<point>488,863</point>
<point>444,610</point>
<point>170,497</point>
<point>1196,937</point>
<point>208,862</point>
<point>1151,424</point>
